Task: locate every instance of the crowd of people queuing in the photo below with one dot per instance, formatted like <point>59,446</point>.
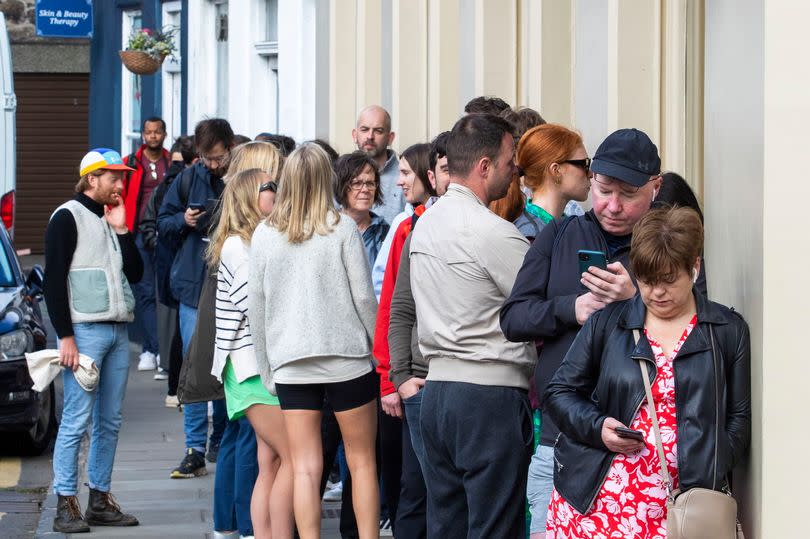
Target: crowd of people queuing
<point>447,326</point>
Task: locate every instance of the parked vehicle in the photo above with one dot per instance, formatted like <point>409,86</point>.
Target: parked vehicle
<point>29,417</point>
<point>8,132</point>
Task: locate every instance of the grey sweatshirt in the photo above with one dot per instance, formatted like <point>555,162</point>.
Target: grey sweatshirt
<point>309,300</point>
<point>403,338</point>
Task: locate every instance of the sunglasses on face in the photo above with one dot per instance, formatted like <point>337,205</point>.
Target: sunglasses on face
<point>268,186</point>
<point>584,164</point>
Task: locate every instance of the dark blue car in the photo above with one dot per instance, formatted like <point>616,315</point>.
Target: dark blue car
<point>29,416</point>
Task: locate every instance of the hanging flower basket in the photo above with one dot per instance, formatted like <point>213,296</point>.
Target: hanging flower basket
<point>147,49</point>
<point>140,63</point>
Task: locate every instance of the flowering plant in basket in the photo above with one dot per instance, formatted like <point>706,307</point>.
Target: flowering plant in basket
<point>156,43</point>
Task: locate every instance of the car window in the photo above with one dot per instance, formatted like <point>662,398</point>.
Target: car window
<point>7,275</point>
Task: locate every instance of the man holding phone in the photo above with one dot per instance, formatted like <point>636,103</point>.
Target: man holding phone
<point>552,298</point>
<point>184,219</point>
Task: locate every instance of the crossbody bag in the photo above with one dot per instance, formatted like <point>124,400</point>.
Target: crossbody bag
<point>697,513</point>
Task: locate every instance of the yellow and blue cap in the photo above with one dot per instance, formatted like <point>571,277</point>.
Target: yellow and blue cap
<point>102,158</point>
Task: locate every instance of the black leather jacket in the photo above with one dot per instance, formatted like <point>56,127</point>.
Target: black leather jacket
<point>600,378</point>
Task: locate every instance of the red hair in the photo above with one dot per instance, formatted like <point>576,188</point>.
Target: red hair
<point>511,206</point>
<point>541,146</point>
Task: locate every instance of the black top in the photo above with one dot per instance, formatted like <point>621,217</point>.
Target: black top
<point>60,244</point>
<point>541,307</point>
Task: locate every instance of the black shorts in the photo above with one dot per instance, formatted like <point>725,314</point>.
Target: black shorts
<point>341,396</point>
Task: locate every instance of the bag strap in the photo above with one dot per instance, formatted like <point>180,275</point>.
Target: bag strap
<point>645,375</point>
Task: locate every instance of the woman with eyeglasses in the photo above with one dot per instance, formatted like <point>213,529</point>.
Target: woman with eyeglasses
<point>357,190</point>
<point>254,434</point>
<point>556,168</point>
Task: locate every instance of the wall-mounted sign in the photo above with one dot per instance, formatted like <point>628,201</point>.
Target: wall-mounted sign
<point>65,18</point>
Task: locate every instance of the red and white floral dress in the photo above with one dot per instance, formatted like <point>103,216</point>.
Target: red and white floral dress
<point>632,500</point>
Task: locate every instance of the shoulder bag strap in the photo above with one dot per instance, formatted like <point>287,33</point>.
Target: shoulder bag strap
<point>658,444</point>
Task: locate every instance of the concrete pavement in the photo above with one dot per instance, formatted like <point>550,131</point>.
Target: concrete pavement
<point>151,443</point>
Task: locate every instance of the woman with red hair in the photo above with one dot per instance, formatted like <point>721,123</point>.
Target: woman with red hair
<point>556,168</point>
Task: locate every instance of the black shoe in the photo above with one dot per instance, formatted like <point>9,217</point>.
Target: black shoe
<point>213,451</point>
<point>69,517</point>
<point>103,511</point>
<point>192,465</point>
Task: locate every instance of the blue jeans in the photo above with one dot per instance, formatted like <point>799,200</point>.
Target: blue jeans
<point>195,415</point>
<point>237,469</point>
<point>145,302</point>
<point>108,345</point>
<point>413,409</point>
<point>539,486</point>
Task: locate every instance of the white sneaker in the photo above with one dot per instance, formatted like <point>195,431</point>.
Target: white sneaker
<point>161,374</point>
<point>385,528</point>
<point>226,535</point>
<point>147,362</point>
<point>334,494</point>
<point>171,401</point>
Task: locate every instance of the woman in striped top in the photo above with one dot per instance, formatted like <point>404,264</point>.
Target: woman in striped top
<point>248,197</point>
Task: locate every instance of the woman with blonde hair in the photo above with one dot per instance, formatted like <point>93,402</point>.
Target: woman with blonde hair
<point>313,310</point>
<point>256,154</point>
<point>248,197</point>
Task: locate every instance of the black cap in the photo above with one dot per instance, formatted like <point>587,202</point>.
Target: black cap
<point>627,155</point>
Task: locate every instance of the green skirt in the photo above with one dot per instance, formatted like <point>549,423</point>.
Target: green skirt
<point>241,396</point>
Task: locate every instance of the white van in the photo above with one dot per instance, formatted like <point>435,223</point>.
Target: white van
<point>8,132</point>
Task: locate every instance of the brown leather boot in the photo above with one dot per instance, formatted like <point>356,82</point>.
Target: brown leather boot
<point>103,511</point>
<point>69,517</point>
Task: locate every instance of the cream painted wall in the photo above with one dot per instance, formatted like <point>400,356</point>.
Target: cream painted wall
<point>785,440</point>
<point>735,220</point>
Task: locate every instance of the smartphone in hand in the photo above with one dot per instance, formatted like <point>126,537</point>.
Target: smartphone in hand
<point>623,432</point>
<point>591,258</point>
<point>196,206</point>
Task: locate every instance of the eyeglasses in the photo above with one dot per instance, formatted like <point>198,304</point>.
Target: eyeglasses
<point>358,186</point>
<point>153,169</point>
<point>219,159</point>
<point>624,187</point>
<point>584,164</point>
<point>268,186</point>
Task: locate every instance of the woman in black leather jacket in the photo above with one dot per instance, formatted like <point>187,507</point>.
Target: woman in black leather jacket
<point>697,354</point>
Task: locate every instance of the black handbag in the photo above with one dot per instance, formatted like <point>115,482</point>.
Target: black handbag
<point>196,383</point>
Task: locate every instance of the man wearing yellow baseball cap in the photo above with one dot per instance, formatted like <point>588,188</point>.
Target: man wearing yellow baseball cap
<point>91,260</point>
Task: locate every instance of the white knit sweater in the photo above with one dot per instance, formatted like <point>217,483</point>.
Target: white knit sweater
<point>315,298</point>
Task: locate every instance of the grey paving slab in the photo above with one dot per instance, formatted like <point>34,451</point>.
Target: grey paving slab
<point>151,443</point>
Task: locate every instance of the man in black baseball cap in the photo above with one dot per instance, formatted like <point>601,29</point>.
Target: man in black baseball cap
<point>552,299</point>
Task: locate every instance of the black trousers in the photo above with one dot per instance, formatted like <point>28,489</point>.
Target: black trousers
<point>478,442</point>
<point>411,520</point>
<point>389,462</point>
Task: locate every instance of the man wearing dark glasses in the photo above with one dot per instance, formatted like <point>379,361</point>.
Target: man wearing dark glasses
<point>150,162</point>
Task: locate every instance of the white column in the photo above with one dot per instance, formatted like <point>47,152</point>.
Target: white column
<point>297,46</point>
<point>201,61</point>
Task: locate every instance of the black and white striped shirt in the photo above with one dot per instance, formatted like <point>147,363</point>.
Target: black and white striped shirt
<point>233,337</point>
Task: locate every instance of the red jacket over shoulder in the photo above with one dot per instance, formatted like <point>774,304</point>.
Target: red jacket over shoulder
<point>132,186</point>
<point>381,353</point>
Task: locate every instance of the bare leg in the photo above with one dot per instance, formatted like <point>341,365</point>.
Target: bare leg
<point>304,436</point>
<point>359,429</point>
<point>260,500</point>
<point>538,535</point>
<point>268,423</point>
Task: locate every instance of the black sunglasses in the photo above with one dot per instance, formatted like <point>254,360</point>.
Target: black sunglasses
<point>584,164</point>
<point>269,186</point>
